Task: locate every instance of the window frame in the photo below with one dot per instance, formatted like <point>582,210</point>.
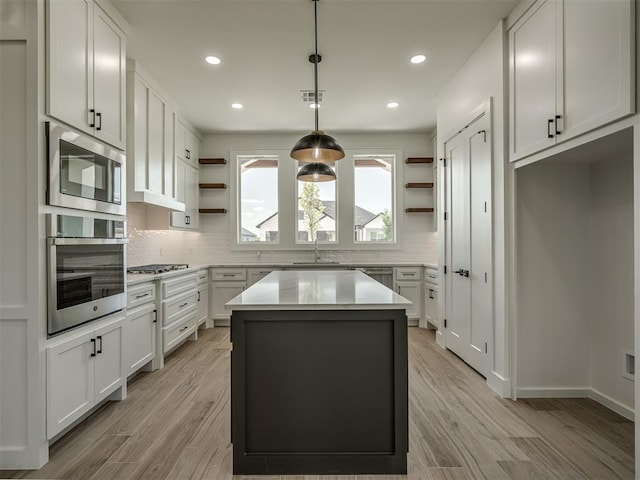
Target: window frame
<point>288,202</point>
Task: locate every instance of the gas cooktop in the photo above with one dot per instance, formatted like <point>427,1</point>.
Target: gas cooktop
<point>158,268</point>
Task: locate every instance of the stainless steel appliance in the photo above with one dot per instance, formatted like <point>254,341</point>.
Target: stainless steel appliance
<point>384,275</point>
<point>87,271</point>
<point>84,173</point>
<point>157,268</point>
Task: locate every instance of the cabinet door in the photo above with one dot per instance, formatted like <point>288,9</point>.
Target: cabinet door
<point>192,198</point>
<point>532,80</point>
<point>203,303</point>
<point>411,291</point>
<point>255,275</point>
<point>221,293</point>
<point>169,185</point>
<point>109,360</point>
<point>141,337</point>
<point>598,85</point>
<point>109,75</point>
<point>181,131</point>
<point>70,61</point>
<point>430,308</point>
<point>70,382</point>
<point>178,219</point>
<point>155,141</point>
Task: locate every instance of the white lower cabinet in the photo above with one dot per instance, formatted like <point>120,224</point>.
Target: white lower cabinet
<point>430,314</point>
<point>226,283</point>
<point>408,283</point>
<point>142,317</point>
<point>256,274</point>
<point>83,369</point>
<point>203,299</point>
<point>179,311</point>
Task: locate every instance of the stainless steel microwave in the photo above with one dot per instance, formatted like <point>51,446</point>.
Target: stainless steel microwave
<point>84,173</point>
<point>87,270</point>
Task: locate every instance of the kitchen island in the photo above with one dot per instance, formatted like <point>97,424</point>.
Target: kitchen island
<point>319,375</point>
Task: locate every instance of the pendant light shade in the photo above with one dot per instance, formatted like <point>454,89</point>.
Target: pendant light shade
<point>317,146</point>
<point>316,172</point>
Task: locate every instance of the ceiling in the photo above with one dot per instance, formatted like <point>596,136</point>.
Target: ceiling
<point>264,46</point>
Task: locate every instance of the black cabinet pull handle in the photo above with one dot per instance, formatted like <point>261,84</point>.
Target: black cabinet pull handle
<point>558,117</point>
<point>100,347</point>
<point>188,154</point>
<point>549,133</point>
<point>93,347</point>
<point>99,115</point>
<point>92,121</point>
<point>142,296</point>
<point>184,328</point>
<point>188,220</point>
<point>184,305</point>
<point>198,296</point>
<point>155,316</point>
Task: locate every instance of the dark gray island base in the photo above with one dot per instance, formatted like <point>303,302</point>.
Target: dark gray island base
<point>319,392</point>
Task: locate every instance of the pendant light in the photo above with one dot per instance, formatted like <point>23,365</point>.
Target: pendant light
<point>317,147</point>
<point>316,172</point>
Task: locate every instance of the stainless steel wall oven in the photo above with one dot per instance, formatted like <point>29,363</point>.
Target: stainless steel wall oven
<point>83,172</point>
<point>87,270</point>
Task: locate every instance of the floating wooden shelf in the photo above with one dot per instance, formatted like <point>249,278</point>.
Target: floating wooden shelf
<point>419,185</point>
<point>419,210</point>
<point>212,210</point>
<point>212,185</point>
<point>419,160</point>
<point>212,161</point>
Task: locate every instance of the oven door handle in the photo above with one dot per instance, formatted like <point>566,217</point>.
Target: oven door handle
<point>88,241</point>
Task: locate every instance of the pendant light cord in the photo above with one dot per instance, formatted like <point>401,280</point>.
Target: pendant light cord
<point>315,59</point>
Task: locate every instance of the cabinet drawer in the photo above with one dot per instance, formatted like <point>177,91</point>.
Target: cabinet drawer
<point>408,273</point>
<point>228,274</point>
<point>431,275</point>
<point>141,294</point>
<point>176,308</point>
<point>177,285</point>
<point>202,276</point>
<point>174,334</point>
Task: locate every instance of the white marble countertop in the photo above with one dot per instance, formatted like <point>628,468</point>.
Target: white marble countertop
<point>318,290</point>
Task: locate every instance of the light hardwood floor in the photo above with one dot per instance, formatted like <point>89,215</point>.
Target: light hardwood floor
<point>175,425</point>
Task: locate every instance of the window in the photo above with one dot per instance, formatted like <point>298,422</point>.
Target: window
<point>373,198</point>
<point>272,210</point>
<point>317,213</point>
<point>258,199</point>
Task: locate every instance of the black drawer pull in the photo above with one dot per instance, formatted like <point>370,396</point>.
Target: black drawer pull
<point>184,304</point>
<point>142,296</point>
<point>184,328</point>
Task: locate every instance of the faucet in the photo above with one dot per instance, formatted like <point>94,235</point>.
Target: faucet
<point>316,252</point>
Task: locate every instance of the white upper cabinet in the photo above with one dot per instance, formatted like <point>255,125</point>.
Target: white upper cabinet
<point>151,126</point>
<point>571,70</point>
<point>186,145</point>
<point>187,192</point>
<point>86,69</point>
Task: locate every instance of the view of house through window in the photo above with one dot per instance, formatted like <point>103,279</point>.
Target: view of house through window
<point>258,206</point>
<point>317,212</point>
<point>373,188</point>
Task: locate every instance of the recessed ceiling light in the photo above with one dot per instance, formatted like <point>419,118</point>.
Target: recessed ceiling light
<point>418,58</point>
<point>237,106</point>
<point>314,105</point>
<point>393,104</point>
<point>212,60</point>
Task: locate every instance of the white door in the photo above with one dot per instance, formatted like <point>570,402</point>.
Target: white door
<point>141,336</point>
<point>109,75</point>
<point>70,62</point>
<point>468,302</point>
<point>221,293</point>
<point>110,372</point>
<point>532,80</point>
<point>203,303</point>
<point>70,382</point>
<point>178,219</point>
<point>412,291</point>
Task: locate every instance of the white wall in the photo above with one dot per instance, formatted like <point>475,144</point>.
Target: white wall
<point>481,78</point>
<point>553,287</point>
<point>575,279</point>
<point>611,276</point>
<point>22,318</point>
<point>214,244</point>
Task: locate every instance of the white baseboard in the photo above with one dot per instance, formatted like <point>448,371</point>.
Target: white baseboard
<point>221,322</point>
<point>412,322</point>
<point>578,392</point>
<point>22,458</point>
<point>499,384</point>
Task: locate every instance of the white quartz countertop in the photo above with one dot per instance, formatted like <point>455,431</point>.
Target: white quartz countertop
<point>318,290</point>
